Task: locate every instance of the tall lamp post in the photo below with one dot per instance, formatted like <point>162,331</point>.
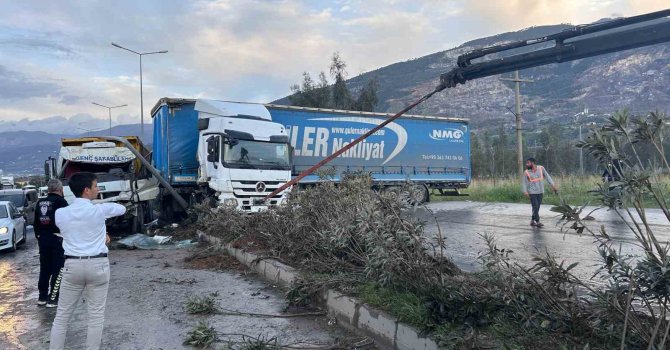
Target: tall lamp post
<point>141,95</point>
<point>109,109</point>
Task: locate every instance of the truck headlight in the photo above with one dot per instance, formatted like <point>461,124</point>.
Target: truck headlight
<point>230,202</point>
<point>3,230</point>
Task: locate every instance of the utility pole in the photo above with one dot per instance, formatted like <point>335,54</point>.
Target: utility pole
<point>517,115</point>
<point>581,150</point>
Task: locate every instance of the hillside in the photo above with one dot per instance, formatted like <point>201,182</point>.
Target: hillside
<point>635,79</point>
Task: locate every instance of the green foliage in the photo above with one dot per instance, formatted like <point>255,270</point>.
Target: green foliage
<point>201,336</point>
<point>260,343</point>
<point>201,305</point>
<point>633,279</point>
<point>408,307</point>
<point>336,96</point>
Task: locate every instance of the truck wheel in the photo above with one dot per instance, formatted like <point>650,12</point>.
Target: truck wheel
<point>414,194</point>
<point>418,194</point>
<point>393,192</point>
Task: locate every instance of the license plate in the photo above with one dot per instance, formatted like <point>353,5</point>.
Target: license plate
<point>101,188</point>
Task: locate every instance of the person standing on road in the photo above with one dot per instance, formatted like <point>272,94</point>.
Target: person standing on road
<point>532,186</point>
<point>50,244</point>
<point>86,270</point>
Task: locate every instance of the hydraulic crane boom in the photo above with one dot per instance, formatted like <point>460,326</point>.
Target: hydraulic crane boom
<point>571,44</point>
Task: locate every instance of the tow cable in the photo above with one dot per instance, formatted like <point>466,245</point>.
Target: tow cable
<point>355,142</point>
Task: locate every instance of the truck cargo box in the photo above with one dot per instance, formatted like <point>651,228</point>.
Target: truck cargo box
<point>412,148</point>
<point>175,142</point>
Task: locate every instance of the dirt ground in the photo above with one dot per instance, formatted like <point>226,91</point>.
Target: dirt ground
<point>145,305</point>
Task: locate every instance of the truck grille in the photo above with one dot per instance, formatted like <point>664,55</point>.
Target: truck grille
<point>255,189</point>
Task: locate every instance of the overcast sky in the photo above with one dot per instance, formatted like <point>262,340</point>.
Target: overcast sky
<point>56,56</point>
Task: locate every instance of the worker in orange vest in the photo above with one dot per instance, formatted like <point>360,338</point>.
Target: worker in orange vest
<point>532,187</point>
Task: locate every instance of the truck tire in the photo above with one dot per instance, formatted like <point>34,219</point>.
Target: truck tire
<point>413,194</point>
<point>419,194</point>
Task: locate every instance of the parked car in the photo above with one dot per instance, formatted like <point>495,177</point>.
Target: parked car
<point>24,200</point>
<point>12,226</point>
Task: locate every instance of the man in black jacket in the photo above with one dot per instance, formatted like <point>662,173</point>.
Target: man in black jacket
<point>50,242</point>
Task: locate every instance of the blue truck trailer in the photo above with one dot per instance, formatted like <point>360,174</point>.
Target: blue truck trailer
<point>423,151</point>
<point>238,153</point>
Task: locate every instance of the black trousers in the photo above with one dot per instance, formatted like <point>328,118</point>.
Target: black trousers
<point>52,259</point>
<point>535,202</point>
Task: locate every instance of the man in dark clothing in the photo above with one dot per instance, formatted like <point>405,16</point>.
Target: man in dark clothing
<point>50,242</point>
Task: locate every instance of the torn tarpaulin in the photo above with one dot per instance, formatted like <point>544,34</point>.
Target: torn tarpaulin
<point>142,241</point>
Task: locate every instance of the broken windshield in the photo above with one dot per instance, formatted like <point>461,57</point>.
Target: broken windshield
<point>257,155</point>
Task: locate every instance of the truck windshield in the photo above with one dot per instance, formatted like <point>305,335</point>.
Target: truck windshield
<point>257,155</point>
<point>17,199</point>
<point>104,171</point>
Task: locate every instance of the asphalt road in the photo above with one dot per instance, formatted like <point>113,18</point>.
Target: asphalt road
<point>145,305</point>
<point>462,222</point>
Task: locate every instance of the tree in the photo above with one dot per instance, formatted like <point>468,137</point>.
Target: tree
<point>367,99</point>
<point>337,95</point>
<point>311,94</point>
<point>341,95</point>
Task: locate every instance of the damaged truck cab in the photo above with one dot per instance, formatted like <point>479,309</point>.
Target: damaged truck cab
<point>121,176</point>
<point>228,153</point>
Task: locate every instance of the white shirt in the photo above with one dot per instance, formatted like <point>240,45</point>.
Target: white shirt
<point>82,225</point>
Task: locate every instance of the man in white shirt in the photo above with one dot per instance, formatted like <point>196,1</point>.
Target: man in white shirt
<point>86,270</point>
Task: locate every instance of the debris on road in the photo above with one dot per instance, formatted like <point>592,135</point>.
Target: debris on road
<point>142,241</point>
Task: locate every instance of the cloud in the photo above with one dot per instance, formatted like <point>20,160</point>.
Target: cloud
<point>57,57</point>
<point>70,100</point>
<point>518,14</point>
<point>16,85</point>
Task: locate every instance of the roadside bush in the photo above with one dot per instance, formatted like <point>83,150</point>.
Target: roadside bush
<point>348,232</point>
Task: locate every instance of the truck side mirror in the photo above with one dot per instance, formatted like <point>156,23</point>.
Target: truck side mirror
<point>213,148</point>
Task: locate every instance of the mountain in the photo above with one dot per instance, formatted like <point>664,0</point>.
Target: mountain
<point>24,152</point>
<point>636,79</point>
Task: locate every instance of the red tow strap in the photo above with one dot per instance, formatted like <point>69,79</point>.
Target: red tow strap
<point>353,143</point>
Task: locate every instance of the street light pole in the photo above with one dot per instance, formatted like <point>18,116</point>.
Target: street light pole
<point>109,110</point>
<point>141,88</point>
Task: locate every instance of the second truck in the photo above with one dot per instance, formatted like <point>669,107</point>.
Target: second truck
<point>122,177</point>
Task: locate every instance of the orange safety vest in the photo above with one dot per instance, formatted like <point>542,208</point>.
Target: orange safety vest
<point>541,169</point>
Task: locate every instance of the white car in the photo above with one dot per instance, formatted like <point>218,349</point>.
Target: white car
<point>12,226</point>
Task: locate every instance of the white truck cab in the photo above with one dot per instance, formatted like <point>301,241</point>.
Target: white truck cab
<point>243,155</point>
